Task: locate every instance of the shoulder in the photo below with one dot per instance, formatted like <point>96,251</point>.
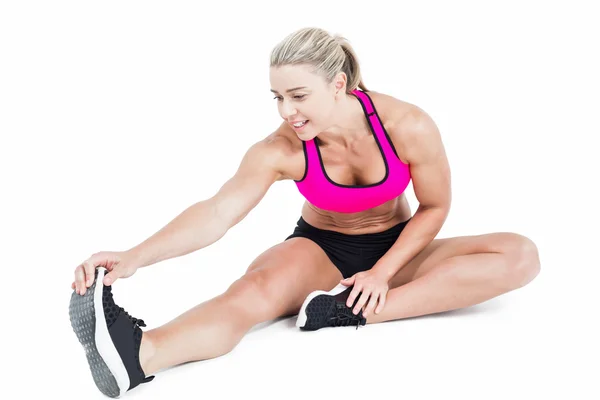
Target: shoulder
<point>410,128</point>
<point>278,151</point>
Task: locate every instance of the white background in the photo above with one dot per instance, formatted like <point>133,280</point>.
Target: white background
<point>115,116</point>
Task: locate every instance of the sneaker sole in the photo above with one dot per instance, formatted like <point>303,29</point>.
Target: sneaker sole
<point>317,308</point>
<point>87,320</point>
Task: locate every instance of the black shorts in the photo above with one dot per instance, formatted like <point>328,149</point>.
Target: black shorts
<point>350,253</point>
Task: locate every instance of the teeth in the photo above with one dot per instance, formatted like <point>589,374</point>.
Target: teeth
<point>299,124</point>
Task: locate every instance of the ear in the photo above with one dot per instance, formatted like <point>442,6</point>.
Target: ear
<point>340,83</point>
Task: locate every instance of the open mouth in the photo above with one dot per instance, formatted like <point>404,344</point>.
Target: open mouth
<point>300,125</point>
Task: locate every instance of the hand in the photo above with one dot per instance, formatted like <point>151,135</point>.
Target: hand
<point>374,288</point>
<point>119,264</point>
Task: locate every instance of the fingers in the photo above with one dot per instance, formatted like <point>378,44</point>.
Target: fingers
<point>364,297</point>
<point>89,267</point>
<point>111,277</point>
<point>348,281</point>
<point>85,273</point>
<point>353,294</point>
<point>79,280</point>
<point>381,302</point>
<point>371,305</point>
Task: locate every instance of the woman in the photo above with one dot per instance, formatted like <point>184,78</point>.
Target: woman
<point>357,255</point>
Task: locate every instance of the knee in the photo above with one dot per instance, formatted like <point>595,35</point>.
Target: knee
<point>523,260</point>
<point>253,295</point>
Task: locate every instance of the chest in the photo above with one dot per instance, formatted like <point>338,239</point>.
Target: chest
<point>360,164</point>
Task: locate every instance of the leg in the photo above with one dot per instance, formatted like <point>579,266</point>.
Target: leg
<point>275,285</point>
<point>459,272</point>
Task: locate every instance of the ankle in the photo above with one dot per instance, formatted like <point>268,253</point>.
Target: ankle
<point>147,351</point>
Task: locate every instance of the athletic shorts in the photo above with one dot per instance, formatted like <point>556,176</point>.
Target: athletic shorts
<point>350,253</point>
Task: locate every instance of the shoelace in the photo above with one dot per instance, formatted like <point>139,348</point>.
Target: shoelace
<point>134,321</point>
<point>138,322</point>
<point>344,317</point>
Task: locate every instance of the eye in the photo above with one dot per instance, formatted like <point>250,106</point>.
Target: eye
<point>297,97</point>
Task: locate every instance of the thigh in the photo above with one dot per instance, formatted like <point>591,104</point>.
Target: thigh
<point>281,278</point>
<point>441,249</point>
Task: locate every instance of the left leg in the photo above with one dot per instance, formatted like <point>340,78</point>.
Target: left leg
<point>459,272</point>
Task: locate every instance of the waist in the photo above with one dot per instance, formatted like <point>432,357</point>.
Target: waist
<point>376,220</point>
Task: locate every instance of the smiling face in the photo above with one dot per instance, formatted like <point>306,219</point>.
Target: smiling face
<point>303,95</point>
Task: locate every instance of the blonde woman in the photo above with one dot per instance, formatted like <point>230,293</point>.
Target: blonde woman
<point>358,254</point>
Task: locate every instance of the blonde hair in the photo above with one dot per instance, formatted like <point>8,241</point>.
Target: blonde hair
<point>328,54</point>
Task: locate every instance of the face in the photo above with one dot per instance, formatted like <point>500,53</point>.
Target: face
<point>312,99</point>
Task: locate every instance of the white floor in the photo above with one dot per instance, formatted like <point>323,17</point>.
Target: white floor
<point>532,343</point>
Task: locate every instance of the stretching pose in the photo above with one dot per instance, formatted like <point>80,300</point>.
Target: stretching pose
<point>357,255</point>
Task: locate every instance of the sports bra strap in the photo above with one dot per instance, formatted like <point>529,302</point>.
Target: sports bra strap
<point>366,101</point>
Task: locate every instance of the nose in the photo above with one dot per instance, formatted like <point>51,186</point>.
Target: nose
<point>287,110</point>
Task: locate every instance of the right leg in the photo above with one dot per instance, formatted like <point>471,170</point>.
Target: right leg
<point>276,284</point>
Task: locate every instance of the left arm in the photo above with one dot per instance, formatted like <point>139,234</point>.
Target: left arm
<point>419,138</point>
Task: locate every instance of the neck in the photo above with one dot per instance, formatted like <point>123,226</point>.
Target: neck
<point>349,122</point>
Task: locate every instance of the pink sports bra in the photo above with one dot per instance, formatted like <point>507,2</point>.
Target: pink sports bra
<point>328,195</point>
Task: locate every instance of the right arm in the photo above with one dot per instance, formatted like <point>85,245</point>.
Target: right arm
<point>207,221</point>
<point>201,224</point>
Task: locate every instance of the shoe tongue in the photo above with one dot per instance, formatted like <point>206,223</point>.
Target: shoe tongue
<point>342,297</point>
<point>111,310</point>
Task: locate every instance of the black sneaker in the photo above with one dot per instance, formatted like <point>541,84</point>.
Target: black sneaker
<point>328,309</point>
<point>110,337</point>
